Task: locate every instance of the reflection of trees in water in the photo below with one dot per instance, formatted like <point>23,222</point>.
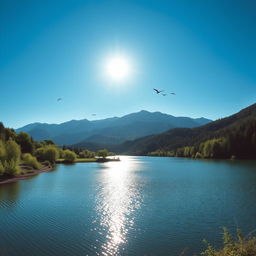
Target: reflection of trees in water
<point>9,193</point>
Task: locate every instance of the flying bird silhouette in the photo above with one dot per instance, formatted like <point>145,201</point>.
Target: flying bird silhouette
<point>164,94</point>
<point>173,93</point>
<point>157,91</point>
<point>59,99</point>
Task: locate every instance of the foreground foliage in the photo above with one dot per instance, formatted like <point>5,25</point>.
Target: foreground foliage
<point>233,246</point>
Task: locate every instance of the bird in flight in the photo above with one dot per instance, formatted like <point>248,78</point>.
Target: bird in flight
<point>173,93</point>
<point>164,94</point>
<point>157,91</point>
<point>59,99</point>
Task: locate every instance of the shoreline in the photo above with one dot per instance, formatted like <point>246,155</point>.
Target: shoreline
<point>89,160</point>
<point>26,175</point>
<point>34,172</point>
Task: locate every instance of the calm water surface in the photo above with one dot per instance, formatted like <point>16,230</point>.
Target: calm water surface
<point>139,206</point>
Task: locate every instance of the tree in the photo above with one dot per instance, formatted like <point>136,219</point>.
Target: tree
<point>102,153</point>
<point>9,157</point>
<point>11,167</point>
<point>30,160</point>
<point>12,157</point>
<point>2,131</point>
<point>12,151</point>
<point>26,143</point>
<point>2,151</point>
<point>69,156</point>
<point>51,153</point>
<point>48,142</point>
<point>86,154</point>
<point>47,153</point>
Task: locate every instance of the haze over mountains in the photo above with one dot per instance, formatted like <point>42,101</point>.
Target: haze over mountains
<point>111,130</point>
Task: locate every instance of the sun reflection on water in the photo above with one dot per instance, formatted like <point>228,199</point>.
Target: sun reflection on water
<point>117,201</point>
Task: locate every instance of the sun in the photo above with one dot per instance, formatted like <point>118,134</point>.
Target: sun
<point>118,68</point>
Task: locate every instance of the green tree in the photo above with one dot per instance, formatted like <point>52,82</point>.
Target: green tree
<point>11,159</point>
<point>2,131</point>
<point>192,151</point>
<point>86,154</point>
<point>2,151</point>
<point>26,143</point>
<point>30,160</point>
<point>11,167</point>
<point>187,151</point>
<point>61,153</point>
<point>47,153</point>
<point>10,134</point>
<point>48,142</point>
<point>102,153</point>
<point>12,151</point>
<point>69,156</point>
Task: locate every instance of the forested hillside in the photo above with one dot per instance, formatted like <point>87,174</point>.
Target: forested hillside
<point>234,136</point>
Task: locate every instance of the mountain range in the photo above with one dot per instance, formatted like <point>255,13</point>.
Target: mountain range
<point>110,131</point>
<point>237,132</point>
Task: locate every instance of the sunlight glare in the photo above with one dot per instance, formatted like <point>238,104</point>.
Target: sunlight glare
<point>116,202</point>
<point>118,68</point>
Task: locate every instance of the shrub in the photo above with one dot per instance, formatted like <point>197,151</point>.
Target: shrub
<point>11,167</point>
<point>49,152</point>
<point>238,246</point>
<point>69,156</point>
<point>31,161</point>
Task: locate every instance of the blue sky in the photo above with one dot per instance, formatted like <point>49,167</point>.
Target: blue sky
<point>203,50</point>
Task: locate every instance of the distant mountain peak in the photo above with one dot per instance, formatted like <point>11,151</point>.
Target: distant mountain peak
<point>130,126</point>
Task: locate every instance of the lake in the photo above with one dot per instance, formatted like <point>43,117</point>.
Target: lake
<point>139,206</point>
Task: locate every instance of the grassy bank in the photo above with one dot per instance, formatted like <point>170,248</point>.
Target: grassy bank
<point>78,160</point>
<point>87,160</point>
